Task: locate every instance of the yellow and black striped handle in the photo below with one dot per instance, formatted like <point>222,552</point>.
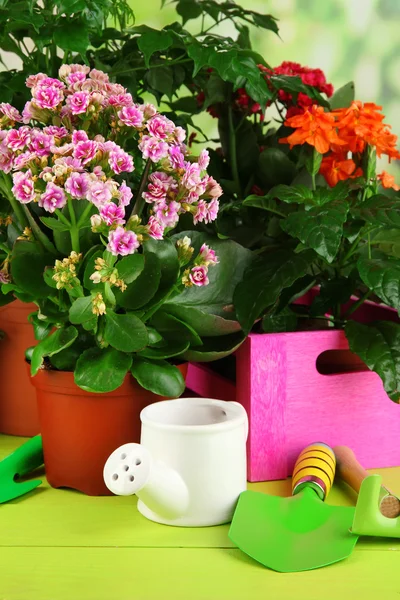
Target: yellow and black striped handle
<point>315,467</point>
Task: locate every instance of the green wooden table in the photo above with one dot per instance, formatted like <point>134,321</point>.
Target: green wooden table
<point>61,545</point>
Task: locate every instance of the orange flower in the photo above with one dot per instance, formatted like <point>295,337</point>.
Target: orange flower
<point>336,167</point>
<point>362,124</point>
<point>314,127</point>
<point>387,181</point>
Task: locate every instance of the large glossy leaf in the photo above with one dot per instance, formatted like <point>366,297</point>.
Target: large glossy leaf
<point>125,332</point>
<point>167,256</point>
<point>286,320</point>
<point>144,287</point>
<point>151,41</point>
<point>158,376</point>
<point>215,348</point>
<point>274,167</point>
<point>319,228</point>
<point>172,328</point>
<point>72,35</point>
<point>382,276</point>
<point>331,293</point>
<point>130,267</point>
<point>378,345</point>
<point>27,268</point>
<point>265,280</point>
<point>343,97</point>
<point>167,350</point>
<point>57,341</point>
<point>101,370</point>
<point>292,194</point>
<point>379,210</point>
<point>387,241</point>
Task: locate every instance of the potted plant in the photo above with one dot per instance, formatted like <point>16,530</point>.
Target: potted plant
<point>99,183</point>
<point>323,225</point>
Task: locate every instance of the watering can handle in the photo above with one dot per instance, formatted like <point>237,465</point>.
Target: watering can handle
<point>315,468</point>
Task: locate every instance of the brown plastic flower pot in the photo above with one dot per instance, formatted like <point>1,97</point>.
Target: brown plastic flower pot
<point>18,407</point>
<point>81,429</point>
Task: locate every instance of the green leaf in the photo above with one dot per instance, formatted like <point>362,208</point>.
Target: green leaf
<point>54,224</point>
<point>130,267</point>
<point>332,292</point>
<point>265,203</point>
<point>41,327</point>
<point>70,7</point>
<point>172,328</point>
<point>168,350</point>
<point>161,79</point>
<point>292,84</point>
<point>319,228</point>
<point>72,35</point>
<point>264,281</point>
<point>382,276</point>
<point>343,97</point>
<point>167,256</point>
<point>66,359</point>
<point>144,287</point>
<point>154,41</point>
<point>125,332</point>
<point>57,341</point>
<point>215,348</point>
<point>286,320</point>
<point>48,277</point>
<point>388,241</point>
<point>27,267</point>
<point>200,54</point>
<point>378,345</point>
<point>313,161</point>
<point>158,377</point>
<point>81,310</point>
<point>292,194</point>
<point>274,167</point>
<point>188,9</point>
<point>101,370</point>
<point>379,210</point>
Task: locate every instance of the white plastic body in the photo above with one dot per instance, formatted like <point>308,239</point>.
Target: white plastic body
<point>190,467</point>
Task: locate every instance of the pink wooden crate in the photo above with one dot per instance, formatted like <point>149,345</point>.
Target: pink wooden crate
<point>291,404</point>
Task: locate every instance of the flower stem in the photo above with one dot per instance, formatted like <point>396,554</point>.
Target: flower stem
<point>232,151</point>
<point>357,304</point>
<point>74,231</point>
<point>15,205</point>
<point>139,204</point>
<point>62,218</point>
<point>84,215</point>
<point>38,233</point>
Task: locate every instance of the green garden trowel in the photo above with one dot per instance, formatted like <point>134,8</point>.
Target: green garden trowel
<point>22,461</point>
<point>298,533</point>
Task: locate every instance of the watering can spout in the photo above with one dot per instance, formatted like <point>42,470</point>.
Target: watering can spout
<point>132,470</point>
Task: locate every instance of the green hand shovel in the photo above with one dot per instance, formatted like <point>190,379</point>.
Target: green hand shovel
<point>298,533</point>
<point>22,461</point>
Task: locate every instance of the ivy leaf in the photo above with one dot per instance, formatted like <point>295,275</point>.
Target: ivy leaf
<point>101,370</point>
<point>151,41</point>
<point>379,210</point>
<point>343,97</point>
<point>265,21</point>
<point>161,79</point>
<point>158,376</point>
<point>378,345</point>
<point>70,7</point>
<point>319,228</point>
<point>188,9</point>
<point>125,332</point>
<point>72,35</point>
<point>200,54</point>
<point>294,85</point>
<point>382,276</point>
<point>57,341</point>
<point>264,281</point>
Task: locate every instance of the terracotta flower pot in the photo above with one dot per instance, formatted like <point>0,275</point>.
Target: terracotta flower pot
<point>18,408</point>
<point>81,429</point>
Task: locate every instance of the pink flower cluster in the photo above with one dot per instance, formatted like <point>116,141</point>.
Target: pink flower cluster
<point>67,146</point>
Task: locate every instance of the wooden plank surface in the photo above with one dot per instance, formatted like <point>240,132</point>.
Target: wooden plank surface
<point>60,544</point>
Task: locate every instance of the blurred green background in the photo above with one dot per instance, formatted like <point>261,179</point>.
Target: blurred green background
<point>348,39</point>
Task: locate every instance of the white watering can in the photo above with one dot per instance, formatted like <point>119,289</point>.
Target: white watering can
<point>190,466</point>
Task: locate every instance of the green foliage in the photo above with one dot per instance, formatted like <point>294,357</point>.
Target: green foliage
<point>52,344</point>
<point>158,376</point>
<point>101,370</point>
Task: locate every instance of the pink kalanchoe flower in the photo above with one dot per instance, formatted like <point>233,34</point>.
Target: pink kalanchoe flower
<point>62,150</point>
<point>77,185</point>
<point>31,112</point>
<point>72,164</point>
<point>6,158</point>
<point>22,160</point>
<point>121,242</point>
<point>99,193</point>
<point>155,229</point>
<point>125,194</point>
<point>153,148</point>
<point>99,76</point>
<point>47,97</point>
<point>75,68</point>
<point>176,157</point>
<point>51,82</point>
<point>59,132</point>
<point>198,276</point>
<point>17,139</point>
<point>167,213</point>
<point>4,277</point>
<point>23,188</point>
<point>208,255</point>
<point>85,151</point>
<point>112,214</point>
<point>213,189</point>
<point>54,197</point>
<point>149,110</point>
<point>120,161</point>
<point>159,184</point>
<point>131,116</point>
<point>6,110</point>
<point>204,160</point>
<point>179,134</point>
<point>78,103</point>
<point>79,135</point>
<point>191,179</point>
<point>212,210</point>
<point>118,100</point>
<point>160,127</point>
<point>201,213</point>
<point>41,143</point>
<point>77,77</point>
<point>98,172</point>
<point>33,80</point>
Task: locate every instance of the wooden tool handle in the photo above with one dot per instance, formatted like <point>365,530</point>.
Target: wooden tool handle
<point>315,467</point>
<point>348,468</point>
